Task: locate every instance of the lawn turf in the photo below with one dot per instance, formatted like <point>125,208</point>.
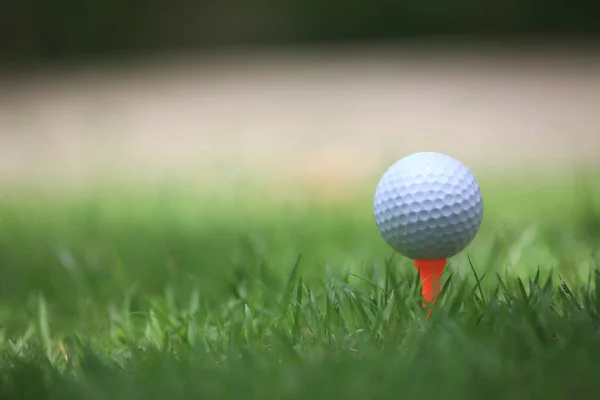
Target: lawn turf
<point>122,292</point>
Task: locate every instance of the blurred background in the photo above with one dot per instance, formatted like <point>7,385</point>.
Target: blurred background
<point>326,93</point>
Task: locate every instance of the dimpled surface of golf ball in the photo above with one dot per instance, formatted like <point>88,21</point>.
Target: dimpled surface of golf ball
<point>428,206</point>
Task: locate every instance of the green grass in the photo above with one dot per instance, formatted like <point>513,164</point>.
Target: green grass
<point>122,293</point>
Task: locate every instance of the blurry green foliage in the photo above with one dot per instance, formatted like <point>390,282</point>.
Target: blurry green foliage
<point>59,28</point>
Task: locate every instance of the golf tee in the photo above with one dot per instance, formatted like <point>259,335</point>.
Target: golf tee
<point>430,272</point>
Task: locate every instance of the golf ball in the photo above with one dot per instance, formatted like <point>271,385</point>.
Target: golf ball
<point>428,206</point>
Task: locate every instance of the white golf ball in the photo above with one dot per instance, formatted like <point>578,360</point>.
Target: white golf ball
<point>428,206</point>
